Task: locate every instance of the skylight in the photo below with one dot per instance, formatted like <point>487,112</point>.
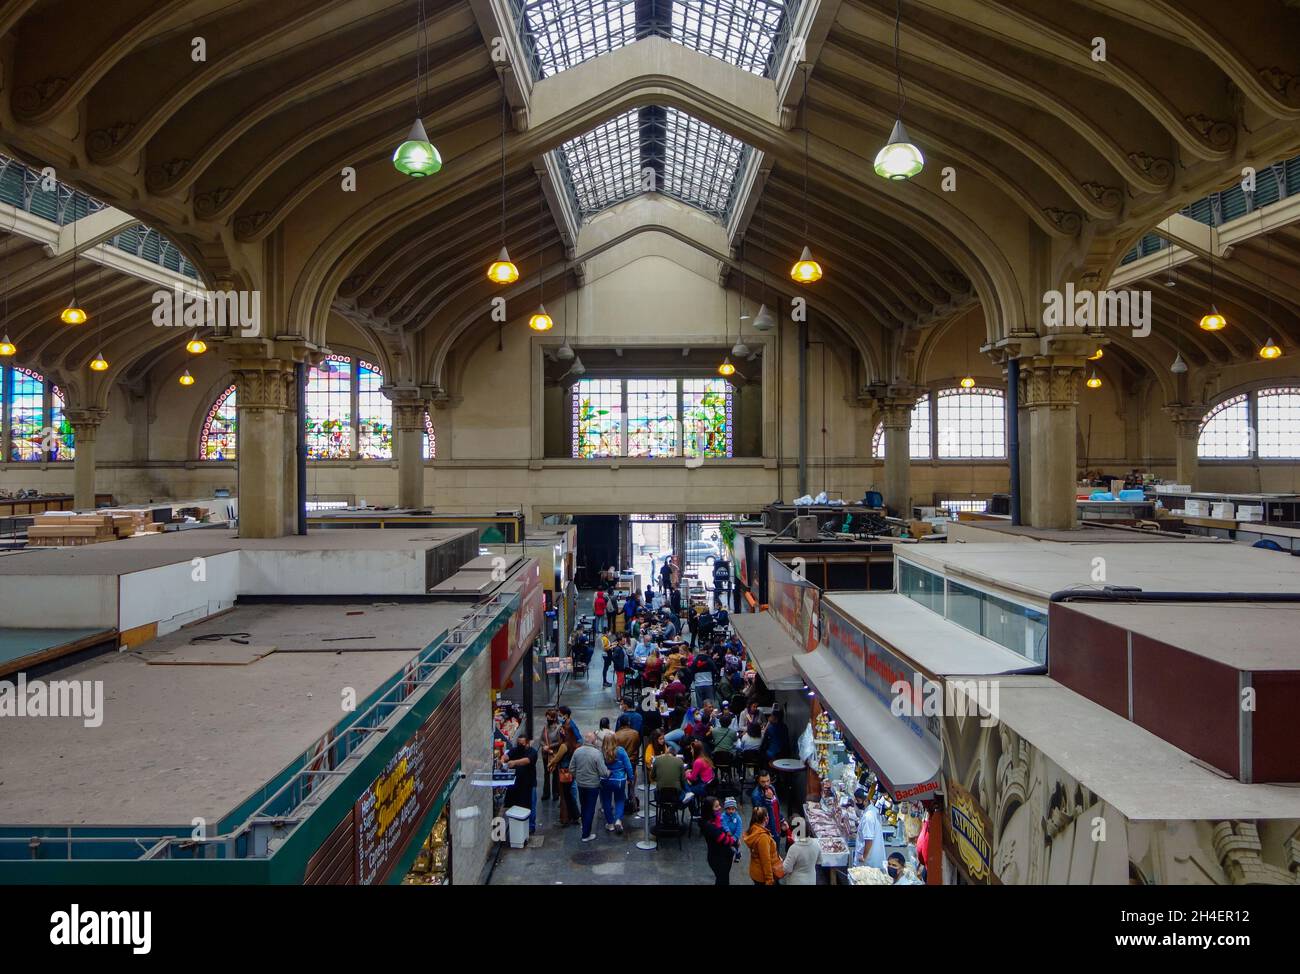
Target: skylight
<point>751,34</point>
<point>653,149</point>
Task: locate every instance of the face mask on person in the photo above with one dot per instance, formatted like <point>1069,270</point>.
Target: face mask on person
<point>893,870</point>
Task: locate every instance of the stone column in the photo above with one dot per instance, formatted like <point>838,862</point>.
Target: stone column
<point>266,397</point>
<point>1187,419</point>
<point>894,407</point>
<point>85,430</point>
<point>1051,394</point>
<point>408,442</point>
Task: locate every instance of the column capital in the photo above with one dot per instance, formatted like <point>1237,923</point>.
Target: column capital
<point>85,422</point>
<point>891,399</point>
<point>286,349</point>
<point>264,384</point>
<point>1051,380</point>
<point>1186,417</point>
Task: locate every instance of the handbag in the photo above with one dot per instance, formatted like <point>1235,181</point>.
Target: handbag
<point>566,776</point>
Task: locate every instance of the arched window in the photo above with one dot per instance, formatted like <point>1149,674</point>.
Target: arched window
<point>918,438</point>
<point>1225,431</point>
<point>1261,424</point>
<point>33,417</point>
<point>971,424</point>
<point>344,406</point>
<point>220,428</point>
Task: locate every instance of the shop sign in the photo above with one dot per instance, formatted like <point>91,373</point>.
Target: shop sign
<point>387,812</point>
<point>784,597</point>
<point>970,832</point>
<point>524,625</point>
<point>845,640</point>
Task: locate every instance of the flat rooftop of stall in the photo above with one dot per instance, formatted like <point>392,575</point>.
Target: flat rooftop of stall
<point>197,722</point>
<point>1036,571</point>
<point>1143,776</point>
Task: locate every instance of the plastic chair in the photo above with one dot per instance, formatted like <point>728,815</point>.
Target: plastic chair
<point>671,820</point>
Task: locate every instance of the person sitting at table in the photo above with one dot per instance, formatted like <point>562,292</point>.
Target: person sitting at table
<point>676,660</point>
<point>776,737</point>
<point>673,692</point>
<point>669,627</point>
<point>668,775</point>
<point>654,668</point>
<point>699,777</point>
<point>676,717</point>
<point>721,739</point>
<point>630,716</point>
<point>655,746</point>
<point>752,739</point>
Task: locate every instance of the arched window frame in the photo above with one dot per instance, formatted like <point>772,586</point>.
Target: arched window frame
<point>54,440</point>
<point>218,414</point>
<point>1270,416</point>
<point>920,437</point>
<point>934,439</point>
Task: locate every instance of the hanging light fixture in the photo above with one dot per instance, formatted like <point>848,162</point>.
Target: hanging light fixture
<point>1094,380</point>
<point>1179,367</point>
<point>1213,321</point>
<point>899,158</point>
<point>1097,355</point>
<point>764,320</point>
<point>1270,350</point>
<point>503,269</point>
<point>99,363</point>
<point>7,348</point>
<point>726,368</point>
<point>805,269</point>
<point>74,314</point>
<point>577,368</point>
<point>416,156</point>
<point>967,382</point>
<point>196,345</point>
<point>186,379</point>
<point>541,321</point>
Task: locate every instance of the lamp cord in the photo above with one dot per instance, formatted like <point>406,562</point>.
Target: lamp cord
<point>805,154</point>
<point>898,69</point>
<point>504,105</point>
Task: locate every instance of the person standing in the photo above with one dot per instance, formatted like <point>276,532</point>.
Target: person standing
<point>733,823</point>
<point>552,737</point>
<point>572,738</point>
<point>801,855</point>
<point>522,760</point>
<point>621,663</point>
<point>720,842</point>
<point>870,848</point>
<point>675,601</point>
<point>589,772</point>
<point>598,610</point>
<point>776,738</point>
<point>613,787</point>
<point>764,861</point>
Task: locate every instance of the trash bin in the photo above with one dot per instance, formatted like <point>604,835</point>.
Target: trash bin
<point>517,817</point>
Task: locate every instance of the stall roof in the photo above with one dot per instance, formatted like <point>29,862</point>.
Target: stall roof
<point>937,647</point>
<point>1038,570</point>
<point>1140,774</point>
<point>1245,635</point>
<point>902,759</point>
<point>195,728</point>
<point>770,647</point>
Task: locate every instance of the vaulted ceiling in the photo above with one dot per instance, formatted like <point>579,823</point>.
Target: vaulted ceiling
<point>1045,162</point>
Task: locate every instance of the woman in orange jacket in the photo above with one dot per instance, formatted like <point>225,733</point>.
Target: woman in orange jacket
<point>764,861</point>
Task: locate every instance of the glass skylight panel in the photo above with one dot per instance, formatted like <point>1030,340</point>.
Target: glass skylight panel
<point>605,164</point>
<point>562,33</point>
<point>559,34</point>
<point>743,34</point>
<point>701,163</point>
<point>663,149</point>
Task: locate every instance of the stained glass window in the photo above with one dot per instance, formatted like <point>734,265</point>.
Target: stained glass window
<point>1278,416</point>
<point>374,415</point>
<point>345,405</point>
<point>63,442</point>
<point>706,417</point>
<point>329,409</point>
<point>597,418</point>
<point>651,417</point>
<point>39,431</point>
<point>918,437</point>
<point>220,429</point>
<point>972,424</point>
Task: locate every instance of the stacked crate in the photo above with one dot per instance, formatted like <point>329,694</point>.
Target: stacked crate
<point>67,528</point>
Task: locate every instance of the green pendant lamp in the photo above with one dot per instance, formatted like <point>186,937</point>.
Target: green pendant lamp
<point>416,156</point>
<point>899,158</point>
